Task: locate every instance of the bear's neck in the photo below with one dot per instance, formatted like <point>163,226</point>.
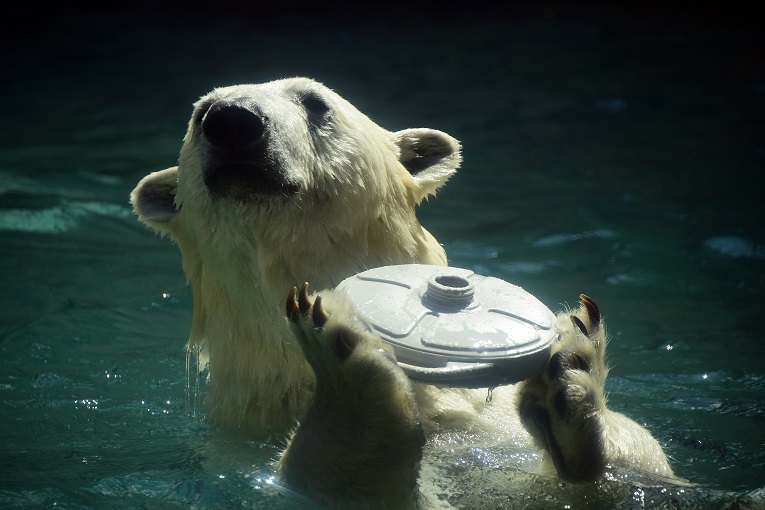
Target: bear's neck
<point>259,378</point>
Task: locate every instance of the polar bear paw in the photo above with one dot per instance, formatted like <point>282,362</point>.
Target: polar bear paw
<point>361,439</point>
<point>563,407</point>
<point>322,351</point>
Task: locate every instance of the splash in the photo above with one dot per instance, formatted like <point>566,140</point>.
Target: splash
<point>193,371</point>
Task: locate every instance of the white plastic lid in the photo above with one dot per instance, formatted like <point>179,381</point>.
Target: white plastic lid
<point>450,326</point>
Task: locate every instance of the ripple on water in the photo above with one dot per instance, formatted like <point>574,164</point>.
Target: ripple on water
<point>735,247</point>
<point>558,239</point>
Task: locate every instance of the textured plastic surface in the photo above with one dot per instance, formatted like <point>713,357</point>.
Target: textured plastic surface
<point>452,327</point>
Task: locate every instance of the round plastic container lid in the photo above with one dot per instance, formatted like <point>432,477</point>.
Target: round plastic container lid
<point>452,327</point>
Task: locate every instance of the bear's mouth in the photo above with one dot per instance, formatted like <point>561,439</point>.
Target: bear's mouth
<point>243,181</point>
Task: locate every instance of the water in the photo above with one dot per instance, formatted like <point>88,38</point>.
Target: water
<point>612,152</point>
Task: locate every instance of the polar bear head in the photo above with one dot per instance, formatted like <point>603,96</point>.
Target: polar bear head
<point>277,184</point>
<point>289,163</point>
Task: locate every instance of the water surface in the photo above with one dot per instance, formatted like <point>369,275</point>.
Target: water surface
<point>617,153</point>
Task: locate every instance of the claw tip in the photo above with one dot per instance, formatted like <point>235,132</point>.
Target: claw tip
<point>579,324</point>
<point>592,309</point>
<point>291,304</point>
<point>304,303</point>
<point>320,316</point>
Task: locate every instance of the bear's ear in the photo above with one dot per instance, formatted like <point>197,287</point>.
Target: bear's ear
<point>154,199</point>
<point>431,157</point>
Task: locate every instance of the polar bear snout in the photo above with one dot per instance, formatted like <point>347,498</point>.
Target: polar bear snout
<point>234,125</point>
<point>235,134</point>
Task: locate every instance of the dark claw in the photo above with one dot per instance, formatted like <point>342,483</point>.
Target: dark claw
<point>577,362</point>
<point>303,302</point>
<point>344,344</point>
<point>579,324</point>
<point>292,305</point>
<point>561,405</point>
<point>555,368</point>
<point>592,309</point>
<point>565,360</point>
<point>320,316</point>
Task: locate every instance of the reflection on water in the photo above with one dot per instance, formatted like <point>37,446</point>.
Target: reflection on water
<point>613,153</point>
<point>735,247</point>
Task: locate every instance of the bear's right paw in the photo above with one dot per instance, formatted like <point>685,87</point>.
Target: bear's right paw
<point>563,407</point>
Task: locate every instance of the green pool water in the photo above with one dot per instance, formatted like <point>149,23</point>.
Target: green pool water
<point>613,152</point>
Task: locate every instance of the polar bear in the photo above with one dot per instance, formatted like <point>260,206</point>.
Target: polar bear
<point>278,183</point>
<point>287,182</point>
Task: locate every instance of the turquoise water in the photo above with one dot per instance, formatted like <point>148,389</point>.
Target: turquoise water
<point>614,153</point>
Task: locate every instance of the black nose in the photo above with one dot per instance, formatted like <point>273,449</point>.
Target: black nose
<point>232,124</point>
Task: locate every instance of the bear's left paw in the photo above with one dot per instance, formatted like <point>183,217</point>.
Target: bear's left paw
<point>324,345</point>
<point>336,343</point>
<point>563,407</point>
<point>361,439</point>
<point>304,313</point>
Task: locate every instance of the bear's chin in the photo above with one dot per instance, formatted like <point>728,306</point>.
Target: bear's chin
<point>243,182</point>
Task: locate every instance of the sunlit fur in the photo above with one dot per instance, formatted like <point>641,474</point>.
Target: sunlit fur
<point>564,409</point>
<point>354,210</point>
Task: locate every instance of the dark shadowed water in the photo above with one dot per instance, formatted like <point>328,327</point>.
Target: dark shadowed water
<point>614,152</point>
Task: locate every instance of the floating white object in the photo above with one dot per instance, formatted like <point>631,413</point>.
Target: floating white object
<point>451,327</point>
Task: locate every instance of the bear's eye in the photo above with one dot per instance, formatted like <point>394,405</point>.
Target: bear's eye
<point>314,104</point>
<point>201,110</point>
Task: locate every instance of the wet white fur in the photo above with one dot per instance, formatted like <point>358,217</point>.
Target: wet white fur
<point>588,435</point>
<point>355,210</point>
